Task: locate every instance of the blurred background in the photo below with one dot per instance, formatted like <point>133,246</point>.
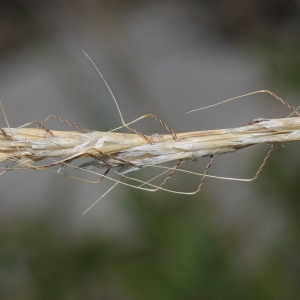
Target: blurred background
<point>232,240</point>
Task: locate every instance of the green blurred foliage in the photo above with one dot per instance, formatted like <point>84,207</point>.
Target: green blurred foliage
<point>178,255</point>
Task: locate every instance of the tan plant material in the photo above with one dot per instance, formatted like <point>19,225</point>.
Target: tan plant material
<point>27,146</point>
<point>126,152</point>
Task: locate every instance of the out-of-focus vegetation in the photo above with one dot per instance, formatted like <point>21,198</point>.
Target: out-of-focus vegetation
<point>180,250</point>
<point>177,255</point>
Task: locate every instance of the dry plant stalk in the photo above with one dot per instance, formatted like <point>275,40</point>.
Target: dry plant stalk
<point>24,147</point>
<point>27,147</point>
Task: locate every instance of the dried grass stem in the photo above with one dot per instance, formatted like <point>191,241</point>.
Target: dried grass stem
<point>29,145</point>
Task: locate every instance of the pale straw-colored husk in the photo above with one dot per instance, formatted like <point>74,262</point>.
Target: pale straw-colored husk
<point>33,148</point>
<point>26,146</point>
<point>41,148</point>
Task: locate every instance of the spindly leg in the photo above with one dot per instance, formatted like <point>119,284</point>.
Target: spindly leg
<point>126,125</point>
<point>204,174</point>
<point>65,121</point>
<point>148,138</point>
<point>291,107</point>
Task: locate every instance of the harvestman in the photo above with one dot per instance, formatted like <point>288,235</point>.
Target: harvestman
<point>111,159</point>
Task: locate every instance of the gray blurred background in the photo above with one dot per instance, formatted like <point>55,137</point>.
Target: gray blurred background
<point>232,240</point>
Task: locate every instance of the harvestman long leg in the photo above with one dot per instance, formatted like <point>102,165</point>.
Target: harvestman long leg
<point>148,138</point>
<point>84,129</point>
<point>126,125</point>
<point>229,178</point>
<point>65,121</point>
<point>204,175</point>
<point>291,107</point>
<point>40,125</point>
<point>164,172</point>
<point>175,168</point>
